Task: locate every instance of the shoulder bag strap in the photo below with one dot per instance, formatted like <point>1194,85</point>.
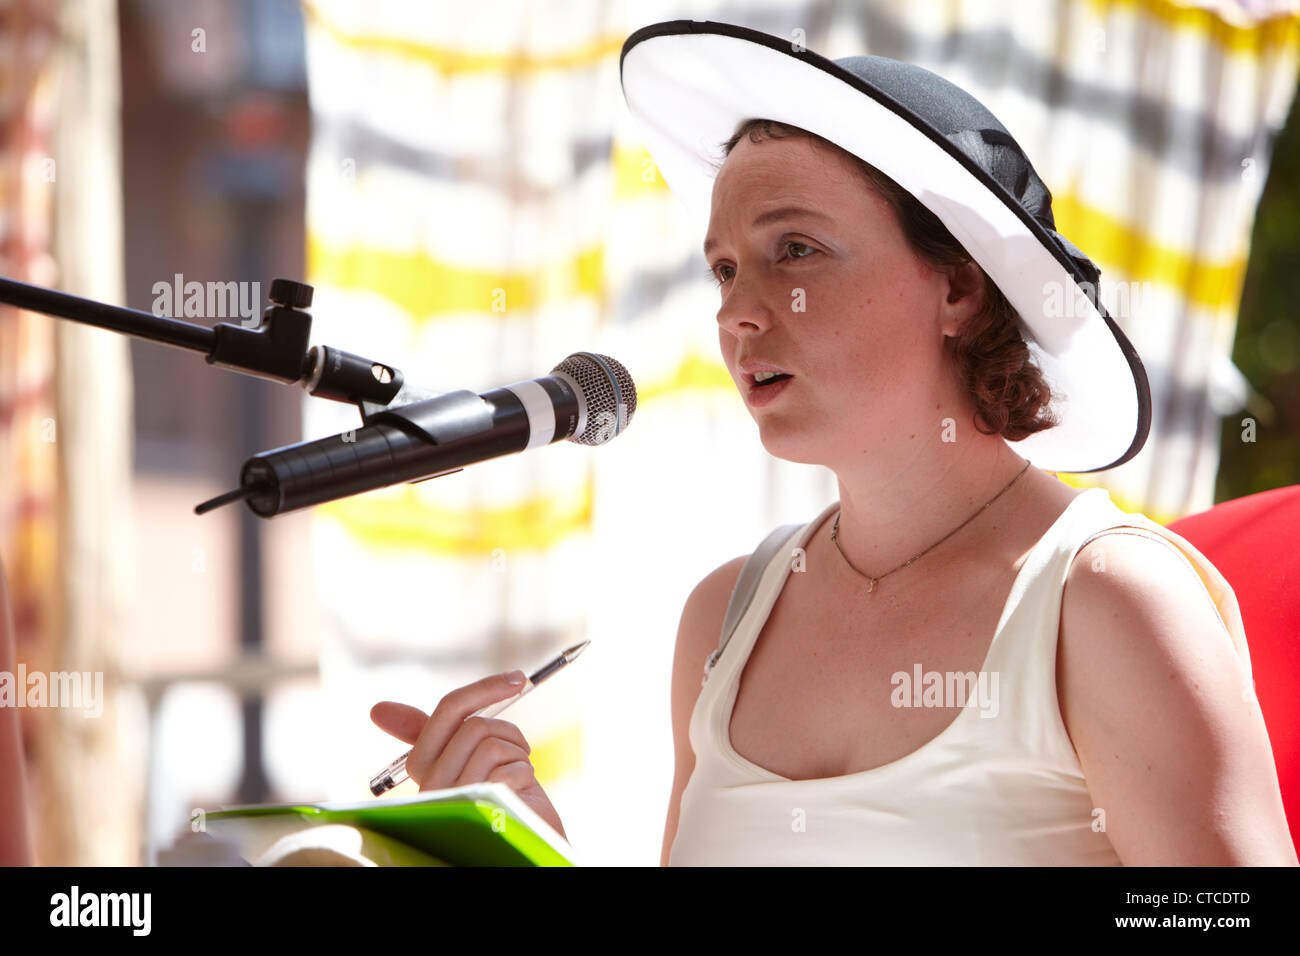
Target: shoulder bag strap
<point>746,584</point>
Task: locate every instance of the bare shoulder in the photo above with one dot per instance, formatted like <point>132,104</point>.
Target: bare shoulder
<point>1160,710</point>
<point>705,608</point>
<point>1127,559</point>
<point>1133,602</point>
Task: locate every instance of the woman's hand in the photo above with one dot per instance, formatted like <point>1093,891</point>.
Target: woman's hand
<point>450,751</point>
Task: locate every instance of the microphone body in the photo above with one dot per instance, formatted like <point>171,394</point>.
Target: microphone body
<point>587,398</point>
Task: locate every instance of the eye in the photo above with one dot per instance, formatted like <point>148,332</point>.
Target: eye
<point>789,245</point>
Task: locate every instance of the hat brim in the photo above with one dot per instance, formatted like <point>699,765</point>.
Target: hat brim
<point>690,83</point>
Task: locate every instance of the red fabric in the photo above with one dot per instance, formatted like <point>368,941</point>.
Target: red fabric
<point>1255,544</point>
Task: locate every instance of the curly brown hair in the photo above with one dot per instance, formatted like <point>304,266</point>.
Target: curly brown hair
<point>989,355</point>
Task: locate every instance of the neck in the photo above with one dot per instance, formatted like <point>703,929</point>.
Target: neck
<point>888,517</point>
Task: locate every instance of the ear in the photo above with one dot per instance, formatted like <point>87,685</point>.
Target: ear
<point>965,297</point>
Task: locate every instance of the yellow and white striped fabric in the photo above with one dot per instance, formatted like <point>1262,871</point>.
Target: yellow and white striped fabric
<point>480,206</point>
<point>457,209</point>
<point>1151,122</point>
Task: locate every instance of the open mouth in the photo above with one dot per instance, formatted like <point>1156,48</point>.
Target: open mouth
<point>770,389</point>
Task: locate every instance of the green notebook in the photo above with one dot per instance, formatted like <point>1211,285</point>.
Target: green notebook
<point>482,824</point>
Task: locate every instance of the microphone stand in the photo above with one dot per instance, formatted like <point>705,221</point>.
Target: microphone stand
<point>276,349</point>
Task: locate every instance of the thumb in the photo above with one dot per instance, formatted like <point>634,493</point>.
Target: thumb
<point>401,720</point>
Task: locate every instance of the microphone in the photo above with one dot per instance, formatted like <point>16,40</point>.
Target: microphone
<point>587,398</point>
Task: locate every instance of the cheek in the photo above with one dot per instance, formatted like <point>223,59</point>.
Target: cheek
<point>726,349</point>
<point>880,334</point>
<point>895,303</point>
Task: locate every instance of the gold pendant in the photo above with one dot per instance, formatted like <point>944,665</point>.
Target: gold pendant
<point>871,585</point>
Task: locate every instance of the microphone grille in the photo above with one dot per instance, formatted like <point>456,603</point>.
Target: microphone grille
<point>607,391</point>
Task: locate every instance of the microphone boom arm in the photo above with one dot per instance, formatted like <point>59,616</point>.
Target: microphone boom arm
<point>400,422</point>
<point>276,349</point>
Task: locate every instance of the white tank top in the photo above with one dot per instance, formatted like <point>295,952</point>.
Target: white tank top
<point>1007,791</point>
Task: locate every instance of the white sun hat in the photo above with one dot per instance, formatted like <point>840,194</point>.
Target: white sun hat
<point>690,83</point>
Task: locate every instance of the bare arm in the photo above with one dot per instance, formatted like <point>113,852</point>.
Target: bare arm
<point>1156,701</point>
<point>15,841</point>
<point>697,637</point>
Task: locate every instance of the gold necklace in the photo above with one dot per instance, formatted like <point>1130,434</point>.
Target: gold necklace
<point>873,581</point>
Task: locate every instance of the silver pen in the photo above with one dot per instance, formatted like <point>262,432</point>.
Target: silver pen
<point>395,773</point>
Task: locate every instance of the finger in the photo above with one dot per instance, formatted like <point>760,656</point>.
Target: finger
<point>518,776</point>
<point>450,714</point>
<point>401,720</point>
<point>492,753</point>
<point>450,765</point>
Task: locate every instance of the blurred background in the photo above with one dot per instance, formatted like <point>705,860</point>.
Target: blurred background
<point>462,186</point>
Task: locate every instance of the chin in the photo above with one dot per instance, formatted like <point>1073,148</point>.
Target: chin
<point>791,445</point>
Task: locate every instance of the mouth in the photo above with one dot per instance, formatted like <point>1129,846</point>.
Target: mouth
<point>766,378</point>
<point>766,389</point>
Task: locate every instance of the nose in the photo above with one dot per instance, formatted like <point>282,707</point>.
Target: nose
<point>745,307</point>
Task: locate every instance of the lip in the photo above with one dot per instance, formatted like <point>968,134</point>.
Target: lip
<point>749,368</point>
<point>759,395</point>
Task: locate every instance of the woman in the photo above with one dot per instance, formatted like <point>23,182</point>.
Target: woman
<point>830,732</point>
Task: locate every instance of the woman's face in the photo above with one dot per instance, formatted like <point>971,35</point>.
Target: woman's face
<point>829,291</point>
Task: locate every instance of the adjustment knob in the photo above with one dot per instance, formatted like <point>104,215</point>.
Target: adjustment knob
<point>290,294</point>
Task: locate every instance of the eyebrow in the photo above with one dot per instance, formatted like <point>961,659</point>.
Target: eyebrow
<point>772,215</point>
